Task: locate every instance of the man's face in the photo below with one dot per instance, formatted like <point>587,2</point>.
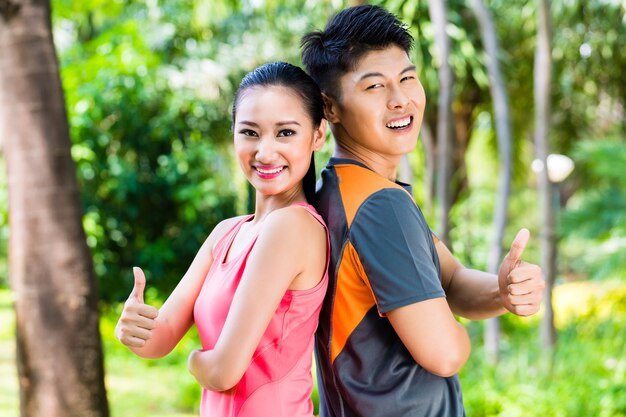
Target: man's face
<point>381,106</point>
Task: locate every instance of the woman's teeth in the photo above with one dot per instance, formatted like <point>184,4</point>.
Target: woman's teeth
<point>269,171</point>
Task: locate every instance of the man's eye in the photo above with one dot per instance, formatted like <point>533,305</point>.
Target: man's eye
<point>248,132</point>
<point>286,132</point>
<point>374,86</point>
<point>408,77</point>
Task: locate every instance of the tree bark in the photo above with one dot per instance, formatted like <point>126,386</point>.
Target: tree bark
<point>59,352</point>
<point>437,11</point>
<point>542,92</point>
<point>428,142</point>
<point>503,132</point>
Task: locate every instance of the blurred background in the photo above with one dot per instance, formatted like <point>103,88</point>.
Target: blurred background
<point>148,90</point>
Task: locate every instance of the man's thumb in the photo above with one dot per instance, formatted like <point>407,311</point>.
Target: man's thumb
<point>140,284</point>
<point>518,245</point>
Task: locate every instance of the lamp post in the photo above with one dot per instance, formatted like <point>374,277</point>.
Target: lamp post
<point>559,168</point>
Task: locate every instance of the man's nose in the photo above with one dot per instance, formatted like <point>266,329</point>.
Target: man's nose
<point>397,99</point>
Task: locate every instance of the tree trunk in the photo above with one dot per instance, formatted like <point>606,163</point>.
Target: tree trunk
<point>428,142</point>
<point>543,78</point>
<point>503,132</point>
<point>437,11</point>
<point>59,353</point>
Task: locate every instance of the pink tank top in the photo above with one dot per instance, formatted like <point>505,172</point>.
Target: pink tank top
<point>278,382</point>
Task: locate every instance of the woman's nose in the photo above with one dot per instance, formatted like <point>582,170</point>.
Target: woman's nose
<point>266,150</point>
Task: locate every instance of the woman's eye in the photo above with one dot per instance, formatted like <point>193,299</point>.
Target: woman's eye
<point>248,132</point>
<point>286,132</point>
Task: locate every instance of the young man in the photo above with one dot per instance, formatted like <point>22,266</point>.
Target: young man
<point>388,343</point>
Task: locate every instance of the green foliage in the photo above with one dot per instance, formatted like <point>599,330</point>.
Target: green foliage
<point>587,378</point>
<point>594,224</point>
<point>589,58</point>
<point>151,160</point>
<point>148,88</point>
<point>4,227</point>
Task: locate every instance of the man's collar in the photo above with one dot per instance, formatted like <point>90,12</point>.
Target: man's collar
<point>347,161</point>
<point>343,161</point>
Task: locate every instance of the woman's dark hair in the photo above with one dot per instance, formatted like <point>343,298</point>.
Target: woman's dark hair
<point>283,74</point>
<point>348,36</point>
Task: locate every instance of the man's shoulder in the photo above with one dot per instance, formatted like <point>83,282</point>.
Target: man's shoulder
<point>358,179</point>
<point>357,186</point>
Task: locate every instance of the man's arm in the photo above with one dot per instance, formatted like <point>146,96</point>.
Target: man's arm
<point>478,295</point>
<point>440,344</point>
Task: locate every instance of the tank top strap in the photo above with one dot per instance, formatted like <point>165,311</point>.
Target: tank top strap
<point>311,210</point>
<point>222,245</point>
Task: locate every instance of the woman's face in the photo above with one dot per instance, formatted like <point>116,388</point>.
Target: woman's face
<point>274,139</point>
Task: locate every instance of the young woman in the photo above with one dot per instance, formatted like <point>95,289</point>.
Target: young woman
<point>255,288</point>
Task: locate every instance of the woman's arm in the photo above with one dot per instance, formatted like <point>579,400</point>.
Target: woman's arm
<point>153,334</point>
<point>281,258</point>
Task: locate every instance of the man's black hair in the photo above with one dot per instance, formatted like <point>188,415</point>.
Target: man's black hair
<point>330,53</point>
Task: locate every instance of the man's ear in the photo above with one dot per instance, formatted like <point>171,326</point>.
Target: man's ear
<point>331,108</point>
<point>319,137</point>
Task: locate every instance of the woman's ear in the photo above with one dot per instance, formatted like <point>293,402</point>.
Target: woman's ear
<point>319,136</point>
<point>330,108</point>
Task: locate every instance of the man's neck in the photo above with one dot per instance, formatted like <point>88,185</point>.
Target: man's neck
<point>383,166</point>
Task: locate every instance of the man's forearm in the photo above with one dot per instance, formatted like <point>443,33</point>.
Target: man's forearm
<point>474,294</point>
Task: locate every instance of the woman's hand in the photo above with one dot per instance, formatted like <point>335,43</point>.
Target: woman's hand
<point>202,366</point>
<point>134,328</point>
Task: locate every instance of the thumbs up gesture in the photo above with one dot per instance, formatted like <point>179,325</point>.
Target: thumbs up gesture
<point>521,283</point>
<point>135,325</point>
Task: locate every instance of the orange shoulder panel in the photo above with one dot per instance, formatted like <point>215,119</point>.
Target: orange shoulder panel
<point>356,184</point>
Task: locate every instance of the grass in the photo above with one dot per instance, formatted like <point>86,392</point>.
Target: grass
<point>9,396</point>
<point>587,376</point>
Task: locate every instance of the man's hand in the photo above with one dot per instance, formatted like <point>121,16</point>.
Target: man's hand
<point>135,325</point>
<point>521,283</point>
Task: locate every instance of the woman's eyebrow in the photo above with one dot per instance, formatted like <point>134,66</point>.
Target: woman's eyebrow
<point>288,122</point>
<point>281,123</point>
<point>246,122</point>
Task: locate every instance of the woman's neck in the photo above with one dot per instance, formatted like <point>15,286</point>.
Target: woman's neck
<point>266,204</point>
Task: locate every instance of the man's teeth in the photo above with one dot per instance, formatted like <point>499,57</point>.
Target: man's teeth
<point>399,124</point>
<point>270,171</point>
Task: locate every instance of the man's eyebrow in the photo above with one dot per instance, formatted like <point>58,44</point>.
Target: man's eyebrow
<point>369,75</point>
<point>409,68</point>
<point>378,74</point>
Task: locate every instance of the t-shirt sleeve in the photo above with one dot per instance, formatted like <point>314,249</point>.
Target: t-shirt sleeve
<point>395,247</point>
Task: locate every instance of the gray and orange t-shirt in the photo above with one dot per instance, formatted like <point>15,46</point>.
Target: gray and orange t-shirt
<point>382,257</point>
